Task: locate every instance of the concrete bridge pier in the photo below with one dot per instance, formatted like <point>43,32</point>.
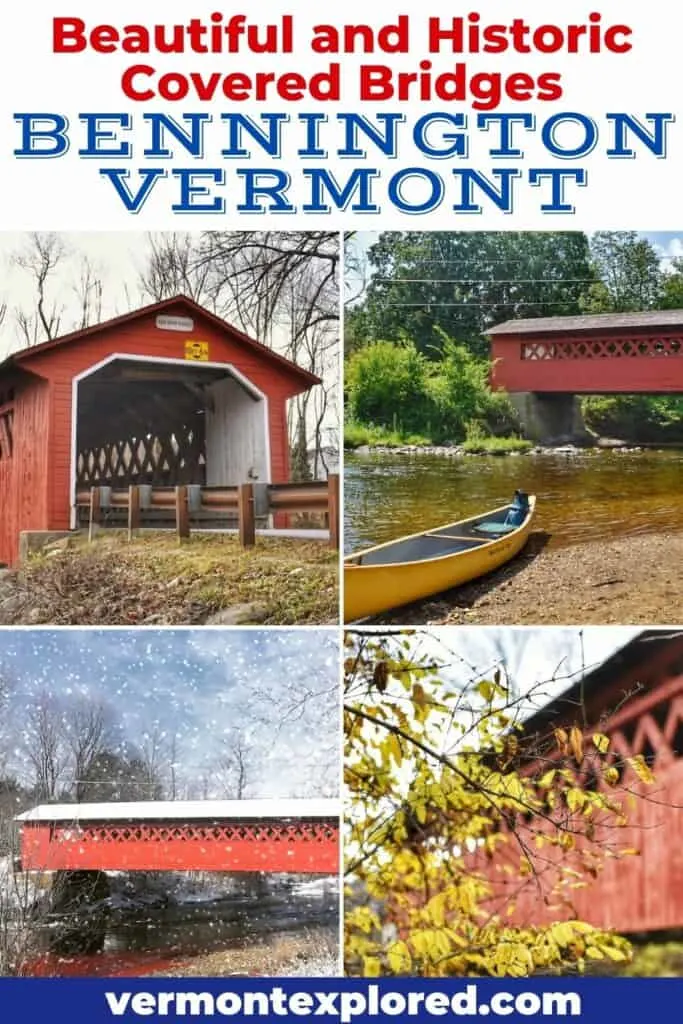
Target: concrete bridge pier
<point>551,419</point>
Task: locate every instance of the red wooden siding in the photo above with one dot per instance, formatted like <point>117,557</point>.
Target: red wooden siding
<point>307,847</point>
<point>35,485</point>
<point>143,338</point>
<point>632,893</point>
<point>24,478</point>
<point>589,362</point>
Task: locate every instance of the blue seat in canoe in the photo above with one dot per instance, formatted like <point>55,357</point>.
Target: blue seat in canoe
<point>495,529</point>
<point>516,515</point>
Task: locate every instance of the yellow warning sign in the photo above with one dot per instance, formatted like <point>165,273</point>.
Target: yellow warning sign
<point>197,350</point>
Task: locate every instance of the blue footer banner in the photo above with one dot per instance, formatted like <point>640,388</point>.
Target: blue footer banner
<point>341,1001</point>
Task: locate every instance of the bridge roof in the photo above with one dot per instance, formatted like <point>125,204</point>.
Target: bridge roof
<point>654,318</point>
<point>24,357</point>
<point>636,653</point>
<point>186,810</point>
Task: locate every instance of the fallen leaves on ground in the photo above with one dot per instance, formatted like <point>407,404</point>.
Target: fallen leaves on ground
<point>156,580</point>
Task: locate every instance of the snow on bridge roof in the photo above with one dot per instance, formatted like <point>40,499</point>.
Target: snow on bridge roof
<point>187,810</point>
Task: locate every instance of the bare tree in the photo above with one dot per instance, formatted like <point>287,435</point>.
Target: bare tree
<point>45,750</point>
<point>316,348</point>
<point>89,291</point>
<point>174,267</point>
<point>43,253</point>
<point>248,276</point>
<point>43,257</point>
<point>158,752</point>
<point>272,285</point>
<point>236,767</point>
<point>254,272</point>
<point>306,706</point>
<point>87,732</point>
<point>356,271</point>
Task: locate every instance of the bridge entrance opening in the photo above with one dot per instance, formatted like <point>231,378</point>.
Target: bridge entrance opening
<point>165,422</point>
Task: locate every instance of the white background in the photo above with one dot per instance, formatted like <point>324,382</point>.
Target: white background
<point>69,194</point>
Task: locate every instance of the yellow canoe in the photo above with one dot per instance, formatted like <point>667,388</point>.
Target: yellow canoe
<point>412,568</point>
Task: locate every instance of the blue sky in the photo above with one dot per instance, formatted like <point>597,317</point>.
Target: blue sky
<point>279,687</point>
<point>199,685</point>
<point>543,661</point>
<point>539,663</point>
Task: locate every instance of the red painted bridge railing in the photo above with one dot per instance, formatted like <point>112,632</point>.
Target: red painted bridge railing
<point>293,836</point>
<point>589,362</point>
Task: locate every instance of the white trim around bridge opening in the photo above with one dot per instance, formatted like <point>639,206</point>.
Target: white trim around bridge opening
<point>186,810</point>
<point>227,368</point>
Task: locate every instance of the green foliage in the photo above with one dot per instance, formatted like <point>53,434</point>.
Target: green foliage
<point>628,273</point>
<point>672,287</point>
<point>656,960</point>
<point>357,435</point>
<point>460,389</point>
<point>395,388</point>
<point>496,445</point>
<point>424,285</point>
<point>452,815</point>
<point>462,283</point>
<point>386,384</point>
<point>434,288</point>
<point>636,418</point>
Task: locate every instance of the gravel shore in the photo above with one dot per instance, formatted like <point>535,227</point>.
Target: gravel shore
<point>312,954</point>
<point>631,580</point>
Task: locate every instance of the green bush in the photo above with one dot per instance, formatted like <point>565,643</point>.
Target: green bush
<point>647,418</point>
<point>656,960</point>
<point>496,445</point>
<point>386,385</point>
<point>396,388</point>
<point>358,434</point>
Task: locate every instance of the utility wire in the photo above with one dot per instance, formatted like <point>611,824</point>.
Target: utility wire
<point>482,280</point>
<point>474,305</point>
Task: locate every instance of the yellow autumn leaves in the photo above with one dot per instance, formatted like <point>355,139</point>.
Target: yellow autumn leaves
<point>440,786</point>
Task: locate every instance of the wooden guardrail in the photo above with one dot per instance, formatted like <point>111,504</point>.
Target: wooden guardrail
<point>180,505</point>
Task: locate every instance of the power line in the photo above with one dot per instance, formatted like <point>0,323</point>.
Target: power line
<point>472,305</point>
<point>483,280</point>
<point>481,260</point>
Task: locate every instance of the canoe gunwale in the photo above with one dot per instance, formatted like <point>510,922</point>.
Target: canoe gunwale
<point>351,563</point>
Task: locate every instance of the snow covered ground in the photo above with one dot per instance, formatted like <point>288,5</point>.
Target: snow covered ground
<point>323,966</point>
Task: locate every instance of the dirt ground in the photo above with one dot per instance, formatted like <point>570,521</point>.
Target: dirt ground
<point>632,580</point>
<point>310,953</point>
<point>156,580</point>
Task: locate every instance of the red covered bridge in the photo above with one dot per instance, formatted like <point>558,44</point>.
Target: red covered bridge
<point>636,699</point>
<point>166,395</point>
<point>606,353</point>
<point>542,363</point>
<point>293,836</point>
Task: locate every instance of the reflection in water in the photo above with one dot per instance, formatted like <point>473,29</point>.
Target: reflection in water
<point>165,939</point>
<point>583,496</point>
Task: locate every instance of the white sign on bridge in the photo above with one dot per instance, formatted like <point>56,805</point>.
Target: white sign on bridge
<point>175,323</point>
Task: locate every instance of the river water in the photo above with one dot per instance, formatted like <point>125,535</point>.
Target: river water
<point>585,495</point>
<point>163,939</point>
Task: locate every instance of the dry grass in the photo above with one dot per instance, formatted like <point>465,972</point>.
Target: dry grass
<point>156,580</point>
<point>306,953</point>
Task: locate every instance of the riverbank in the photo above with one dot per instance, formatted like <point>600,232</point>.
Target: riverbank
<point>504,446</point>
<point>628,580</point>
<point>309,954</point>
<point>207,580</point>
